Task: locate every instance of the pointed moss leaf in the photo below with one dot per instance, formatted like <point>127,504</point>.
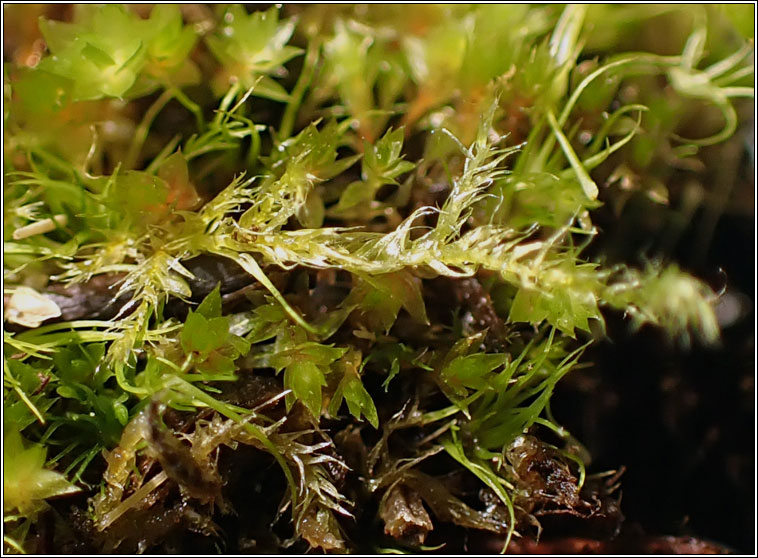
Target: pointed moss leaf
<point>271,312</point>
<point>296,167</point>
<point>58,35</point>
<point>269,89</point>
<point>462,347</point>
<point>325,170</point>
<point>396,289</point>
<point>120,412</point>
<point>387,150</point>
<point>356,193</point>
<point>152,376</point>
<point>305,379</point>
<point>182,193</point>
<point>249,45</point>
<point>28,377</point>
<point>266,322</point>
<point>381,165</point>
<point>210,307</point>
<point>216,363</point>
<point>193,332</point>
<point>67,392</point>
<point>392,355</point>
<point>588,185</point>
<point>394,371</point>
<point>320,354</point>
<point>567,308</point>
<point>316,353</point>
<point>169,41</point>
<point>80,364</point>
<point>351,389</point>
<point>17,415</point>
<point>527,307</point>
<point>472,371</point>
<point>140,194</point>
<point>39,94</point>
<point>315,150</point>
<point>203,335</point>
<point>306,365</point>
<point>218,333</point>
<point>358,400</point>
<point>379,311</point>
<point>239,345</point>
<point>382,162</point>
<point>70,367</point>
<point>533,193</point>
<point>102,52</point>
<point>26,481</point>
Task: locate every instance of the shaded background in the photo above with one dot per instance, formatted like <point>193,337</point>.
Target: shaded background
<point>681,420</point>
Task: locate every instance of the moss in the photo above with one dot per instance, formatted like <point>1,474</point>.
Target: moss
<point>396,208</point>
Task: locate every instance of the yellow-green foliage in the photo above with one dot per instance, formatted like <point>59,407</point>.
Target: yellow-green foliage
<point>415,142</point>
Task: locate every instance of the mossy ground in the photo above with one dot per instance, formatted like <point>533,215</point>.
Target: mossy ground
<point>311,276</point>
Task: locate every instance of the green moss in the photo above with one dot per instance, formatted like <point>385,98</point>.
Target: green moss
<point>442,142</point>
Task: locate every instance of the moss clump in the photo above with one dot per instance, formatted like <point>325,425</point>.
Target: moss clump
<point>347,241</point>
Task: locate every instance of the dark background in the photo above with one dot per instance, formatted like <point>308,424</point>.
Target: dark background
<point>681,420</point>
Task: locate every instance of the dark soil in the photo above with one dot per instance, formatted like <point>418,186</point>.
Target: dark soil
<point>681,421</point>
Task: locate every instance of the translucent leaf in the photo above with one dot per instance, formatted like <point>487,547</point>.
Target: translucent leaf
<point>121,413</point>
<point>182,194</point>
<point>249,45</point>
<point>101,53</point>
<point>395,290</point>
<point>26,482</point>
<point>311,213</point>
<point>359,401</point>
<point>472,371</point>
<point>140,195</point>
<point>305,379</point>
<point>356,193</point>
<point>317,353</point>
<point>97,56</point>
<point>204,335</point>
<point>269,89</point>
<point>239,345</point>
<point>351,389</point>
<point>566,309</point>
<point>527,307</point>
<point>58,35</point>
<point>17,415</point>
<point>72,367</point>
<point>27,377</point>
<point>210,307</point>
<point>383,162</point>
<point>216,363</point>
<point>169,42</point>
